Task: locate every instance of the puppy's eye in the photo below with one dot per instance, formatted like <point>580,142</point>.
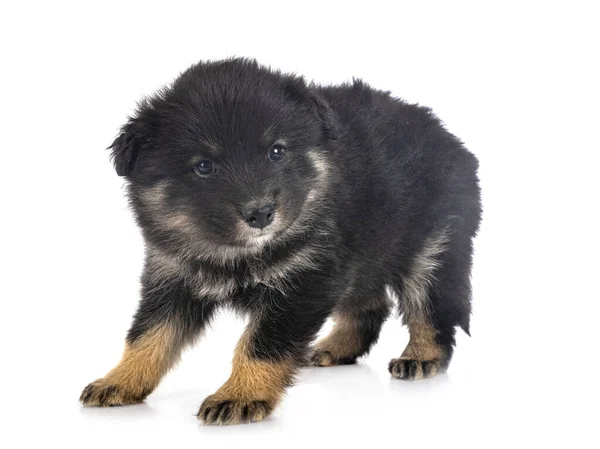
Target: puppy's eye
<point>205,167</point>
<point>276,152</point>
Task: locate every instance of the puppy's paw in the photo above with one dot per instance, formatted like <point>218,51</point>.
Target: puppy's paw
<point>411,369</point>
<point>217,409</point>
<point>103,393</point>
<point>323,357</point>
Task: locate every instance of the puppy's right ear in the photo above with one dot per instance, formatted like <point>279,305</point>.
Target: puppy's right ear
<point>125,150</point>
<point>297,90</point>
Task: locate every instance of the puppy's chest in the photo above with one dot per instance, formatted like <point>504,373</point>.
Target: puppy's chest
<point>224,284</point>
<point>221,283</point>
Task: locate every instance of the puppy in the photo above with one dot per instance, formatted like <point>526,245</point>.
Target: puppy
<point>290,203</point>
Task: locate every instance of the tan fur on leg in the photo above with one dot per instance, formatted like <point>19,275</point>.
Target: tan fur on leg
<point>342,345</point>
<point>141,368</point>
<point>422,344</point>
<point>253,390</point>
<point>423,357</point>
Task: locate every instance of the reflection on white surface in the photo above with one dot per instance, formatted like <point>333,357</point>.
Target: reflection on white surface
<point>321,395</point>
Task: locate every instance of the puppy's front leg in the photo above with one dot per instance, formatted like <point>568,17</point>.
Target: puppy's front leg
<point>168,318</point>
<point>271,350</point>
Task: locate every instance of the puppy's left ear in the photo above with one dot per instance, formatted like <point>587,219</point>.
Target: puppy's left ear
<point>329,119</point>
<point>126,149</point>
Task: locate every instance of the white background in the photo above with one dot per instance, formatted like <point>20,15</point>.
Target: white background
<point>517,82</point>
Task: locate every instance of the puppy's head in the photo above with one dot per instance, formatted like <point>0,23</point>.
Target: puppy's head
<point>229,158</point>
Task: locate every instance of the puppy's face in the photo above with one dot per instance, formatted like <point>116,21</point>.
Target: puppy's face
<point>230,158</point>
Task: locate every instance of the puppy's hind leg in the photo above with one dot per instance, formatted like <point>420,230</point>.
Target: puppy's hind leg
<point>434,298</point>
<point>423,357</point>
<point>355,332</point>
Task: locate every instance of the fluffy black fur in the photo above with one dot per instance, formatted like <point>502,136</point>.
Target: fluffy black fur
<point>372,196</point>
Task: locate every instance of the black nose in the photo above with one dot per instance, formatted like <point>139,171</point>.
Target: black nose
<point>260,218</point>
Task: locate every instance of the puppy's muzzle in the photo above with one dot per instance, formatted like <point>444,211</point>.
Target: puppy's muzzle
<point>261,217</point>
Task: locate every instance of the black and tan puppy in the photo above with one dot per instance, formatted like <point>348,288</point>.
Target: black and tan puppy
<point>291,203</point>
